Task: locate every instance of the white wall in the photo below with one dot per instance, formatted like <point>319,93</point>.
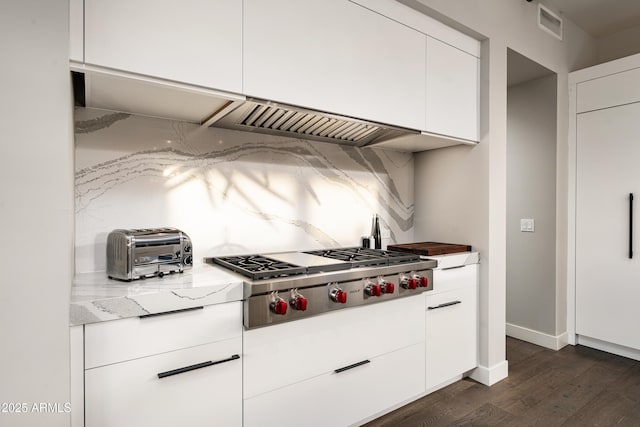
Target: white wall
<point>531,193</point>
<point>503,24</point>
<point>36,210</point>
<point>618,45</point>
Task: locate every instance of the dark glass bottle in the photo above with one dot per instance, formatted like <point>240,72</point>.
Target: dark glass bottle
<point>377,237</point>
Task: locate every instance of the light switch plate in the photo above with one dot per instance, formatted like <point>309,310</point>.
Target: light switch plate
<point>527,225</point>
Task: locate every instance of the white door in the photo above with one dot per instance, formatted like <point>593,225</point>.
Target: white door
<point>607,280</point>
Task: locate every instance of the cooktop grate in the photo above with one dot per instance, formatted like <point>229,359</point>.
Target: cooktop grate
<point>258,267</point>
<point>366,257</point>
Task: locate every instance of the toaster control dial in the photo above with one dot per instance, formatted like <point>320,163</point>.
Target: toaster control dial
<point>188,260</point>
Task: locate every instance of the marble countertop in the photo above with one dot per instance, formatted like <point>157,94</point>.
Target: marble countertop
<point>96,298</point>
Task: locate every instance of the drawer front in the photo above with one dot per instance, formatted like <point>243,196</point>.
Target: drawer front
<point>454,278</point>
<point>279,355</point>
<point>120,340</point>
<point>341,399</point>
<point>131,394</point>
<point>451,334</point>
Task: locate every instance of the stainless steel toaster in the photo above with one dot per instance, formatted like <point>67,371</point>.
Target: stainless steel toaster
<point>139,253</point>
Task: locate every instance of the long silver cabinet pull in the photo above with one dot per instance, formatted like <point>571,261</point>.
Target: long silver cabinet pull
<point>445,304</point>
<point>630,225</point>
<point>355,365</point>
<point>145,316</point>
<point>196,366</point>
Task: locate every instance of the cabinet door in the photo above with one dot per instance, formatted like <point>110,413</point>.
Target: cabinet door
<point>607,280</point>
<point>131,394</point>
<point>192,41</point>
<point>342,399</point>
<point>335,56</point>
<point>451,334</point>
<point>608,91</point>
<point>452,91</point>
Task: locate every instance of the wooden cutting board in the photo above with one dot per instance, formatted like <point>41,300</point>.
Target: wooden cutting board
<point>430,248</point>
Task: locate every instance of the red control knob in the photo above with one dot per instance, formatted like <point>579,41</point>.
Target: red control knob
<point>339,296</point>
<point>300,303</point>
<point>409,283</point>
<point>388,288</point>
<point>279,306</point>
<point>372,290</point>
<point>424,281</point>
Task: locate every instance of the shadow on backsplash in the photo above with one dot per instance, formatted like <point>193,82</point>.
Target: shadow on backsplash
<point>231,192</point>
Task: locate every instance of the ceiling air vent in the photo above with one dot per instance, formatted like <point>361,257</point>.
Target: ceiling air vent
<point>549,21</point>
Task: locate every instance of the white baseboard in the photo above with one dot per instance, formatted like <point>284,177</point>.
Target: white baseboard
<point>490,375</point>
<point>620,350</point>
<point>536,337</point>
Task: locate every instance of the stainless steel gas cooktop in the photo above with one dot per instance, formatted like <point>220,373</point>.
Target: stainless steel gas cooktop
<point>286,286</point>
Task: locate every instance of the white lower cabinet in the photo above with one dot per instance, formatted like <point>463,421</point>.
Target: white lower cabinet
<point>132,393</point>
<point>344,398</point>
<point>178,368</point>
<point>335,369</point>
<point>451,326</point>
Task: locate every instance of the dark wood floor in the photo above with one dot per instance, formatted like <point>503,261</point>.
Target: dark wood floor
<point>576,386</point>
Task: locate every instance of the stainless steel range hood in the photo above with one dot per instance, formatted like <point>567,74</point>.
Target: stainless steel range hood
<point>285,120</point>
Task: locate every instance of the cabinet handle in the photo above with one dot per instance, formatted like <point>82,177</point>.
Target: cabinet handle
<point>445,304</point>
<point>144,316</point>
<point>453,268</point>
<point>196,366</point>
<point>355,365</point>
<point>630,225</point>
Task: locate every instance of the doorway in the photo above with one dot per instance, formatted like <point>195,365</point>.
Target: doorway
<point>531,201</point>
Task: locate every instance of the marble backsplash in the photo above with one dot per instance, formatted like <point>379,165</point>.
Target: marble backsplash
<point>231,192</point>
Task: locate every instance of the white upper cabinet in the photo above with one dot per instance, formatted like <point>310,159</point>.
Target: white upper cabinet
<point>608,91</point>
<point>198,42</point>
<point>335,56</point>
<point>452,91</point>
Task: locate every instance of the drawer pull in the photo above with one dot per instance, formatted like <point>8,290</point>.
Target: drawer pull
<point>144,316</point>
<point>446,304</point>
<point>196,366</point>
<point>453,268</point>
<point>355,365</point>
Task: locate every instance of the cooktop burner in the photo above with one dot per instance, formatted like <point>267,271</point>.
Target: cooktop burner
<point>258,267</point>
<point>365,257</point>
